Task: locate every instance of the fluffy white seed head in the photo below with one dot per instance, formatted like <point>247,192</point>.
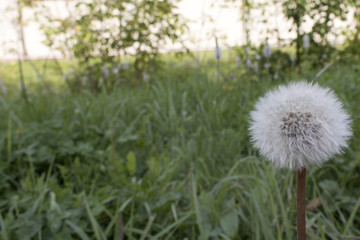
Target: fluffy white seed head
<point>299,125</point>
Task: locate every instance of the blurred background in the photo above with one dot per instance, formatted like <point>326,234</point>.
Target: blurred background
<point>118,32</point>
<point>236,23</point>
<point>128,119</point>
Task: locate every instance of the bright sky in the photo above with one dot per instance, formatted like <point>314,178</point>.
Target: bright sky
<point>206,20</point>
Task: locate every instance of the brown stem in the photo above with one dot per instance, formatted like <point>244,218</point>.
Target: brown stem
<point>300,204</point>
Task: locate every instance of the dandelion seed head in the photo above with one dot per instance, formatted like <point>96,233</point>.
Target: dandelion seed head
<point>299,125</point>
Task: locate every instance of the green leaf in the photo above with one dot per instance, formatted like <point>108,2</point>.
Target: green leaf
<point>154,167</point>
<point>99,234</point>
<point>131,163</point>
<point>230,223</point>
<point>3,230</point>
<point>78,230</point>
<point>329,185</point>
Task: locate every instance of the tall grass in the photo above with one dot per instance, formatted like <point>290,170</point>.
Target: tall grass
<point>166,160</point>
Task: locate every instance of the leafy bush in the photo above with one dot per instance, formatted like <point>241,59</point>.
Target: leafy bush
<point>113,29</point>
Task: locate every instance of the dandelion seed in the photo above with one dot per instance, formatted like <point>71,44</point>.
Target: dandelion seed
<point>267,51</point>
<point>299,125</point>
<point>306,41</point>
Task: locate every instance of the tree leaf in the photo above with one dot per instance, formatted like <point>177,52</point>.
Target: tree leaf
<point>131,163</point>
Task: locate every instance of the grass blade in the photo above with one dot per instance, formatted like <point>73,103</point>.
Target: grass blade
<point>95,225</point>
<point>77,230</point>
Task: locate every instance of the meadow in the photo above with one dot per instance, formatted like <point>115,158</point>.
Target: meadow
<point>167,159</point>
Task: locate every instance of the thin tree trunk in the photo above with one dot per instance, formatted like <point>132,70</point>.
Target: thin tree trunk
<point>22,34</point>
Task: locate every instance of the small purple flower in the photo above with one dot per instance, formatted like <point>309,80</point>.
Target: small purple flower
<point>232,76</point>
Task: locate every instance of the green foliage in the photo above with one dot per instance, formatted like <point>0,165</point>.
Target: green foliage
<point>165,160</point>
<point>115,28</point>
<point>323,15</point>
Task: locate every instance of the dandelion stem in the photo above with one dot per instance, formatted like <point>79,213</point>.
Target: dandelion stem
<point>300,204</point>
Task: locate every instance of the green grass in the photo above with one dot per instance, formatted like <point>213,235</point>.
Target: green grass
<point>165,160</point>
